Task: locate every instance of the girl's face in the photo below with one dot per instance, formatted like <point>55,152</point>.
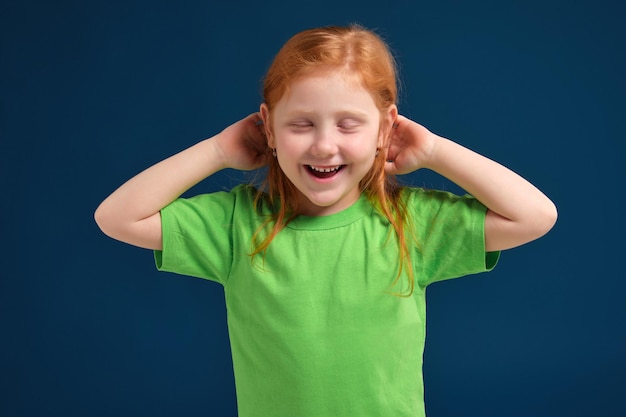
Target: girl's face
<point>326,131</point>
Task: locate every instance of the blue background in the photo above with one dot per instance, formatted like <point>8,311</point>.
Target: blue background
<point>93,92</point>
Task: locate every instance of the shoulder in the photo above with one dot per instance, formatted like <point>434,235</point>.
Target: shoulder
<point>219,204</point>
<point>424,204</point>
<point>424,196</point>
<point>240,193</point>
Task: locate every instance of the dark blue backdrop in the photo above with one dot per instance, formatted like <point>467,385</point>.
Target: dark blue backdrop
<point>92,92</point>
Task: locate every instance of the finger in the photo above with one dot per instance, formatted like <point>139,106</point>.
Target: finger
<point>400,120</point>
<point>258,120</point>
<point>392,152</point>
<point>258,123</point>
<point>390,168</point>
<point>394,147</point>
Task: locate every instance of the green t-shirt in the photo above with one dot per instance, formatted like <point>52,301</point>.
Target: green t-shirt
<point>314,330</point>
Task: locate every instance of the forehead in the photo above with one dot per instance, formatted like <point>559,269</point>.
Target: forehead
<point>327,90</point>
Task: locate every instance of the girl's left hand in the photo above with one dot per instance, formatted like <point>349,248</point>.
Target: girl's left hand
<point>410,145</point>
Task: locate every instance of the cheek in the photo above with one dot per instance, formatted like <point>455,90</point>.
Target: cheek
<point>286,144</point>
<point>290,151</point>
<point>366,146</point>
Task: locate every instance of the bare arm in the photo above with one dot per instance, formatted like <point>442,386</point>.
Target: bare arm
<point>518,211</point>
<point>131,213</point>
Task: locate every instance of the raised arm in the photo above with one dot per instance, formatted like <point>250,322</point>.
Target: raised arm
<point>131,213</point>
<point>518,211</point>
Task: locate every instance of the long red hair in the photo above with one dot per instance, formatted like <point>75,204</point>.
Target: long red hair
<point>358,52</point>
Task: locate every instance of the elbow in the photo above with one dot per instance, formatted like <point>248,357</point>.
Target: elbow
<point>545,219</point>
<point>502,233</point>
<point>117,225</point>
<point>105,220</point>
<point>554,215</point>
<point>100,218</point>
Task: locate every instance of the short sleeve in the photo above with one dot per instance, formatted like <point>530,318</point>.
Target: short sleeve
<point>450,234</point>
<point>197,236</point>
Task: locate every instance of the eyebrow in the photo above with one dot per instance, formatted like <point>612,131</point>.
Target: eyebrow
<point>342,113</point>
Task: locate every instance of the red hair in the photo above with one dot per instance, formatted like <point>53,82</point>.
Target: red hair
<point>356,52</point>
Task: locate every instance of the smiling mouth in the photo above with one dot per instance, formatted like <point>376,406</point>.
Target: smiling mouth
<point>324,172</point>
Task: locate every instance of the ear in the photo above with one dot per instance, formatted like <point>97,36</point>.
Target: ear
<point>387,121</point>
<point>265,116</point>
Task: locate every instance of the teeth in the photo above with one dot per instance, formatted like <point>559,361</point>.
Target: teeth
<point>319,169</point>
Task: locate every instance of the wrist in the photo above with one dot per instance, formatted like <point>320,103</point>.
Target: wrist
<point>432,151</point>
<point>215,154</point>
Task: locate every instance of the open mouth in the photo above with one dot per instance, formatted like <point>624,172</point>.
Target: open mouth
<point>324,172</point>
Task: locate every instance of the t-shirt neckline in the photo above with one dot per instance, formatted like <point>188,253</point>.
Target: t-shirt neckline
<point>342,218</point>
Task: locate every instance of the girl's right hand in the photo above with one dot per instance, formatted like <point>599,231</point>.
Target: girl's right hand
<point>243,145</point>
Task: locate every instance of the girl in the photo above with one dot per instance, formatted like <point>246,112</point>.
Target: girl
<point>325,267</point>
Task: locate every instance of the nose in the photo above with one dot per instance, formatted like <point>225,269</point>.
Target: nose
<point>324,143</point>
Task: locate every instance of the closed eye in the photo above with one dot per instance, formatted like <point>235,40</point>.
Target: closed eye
<point>349,125</point>
<point>300,125</point>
